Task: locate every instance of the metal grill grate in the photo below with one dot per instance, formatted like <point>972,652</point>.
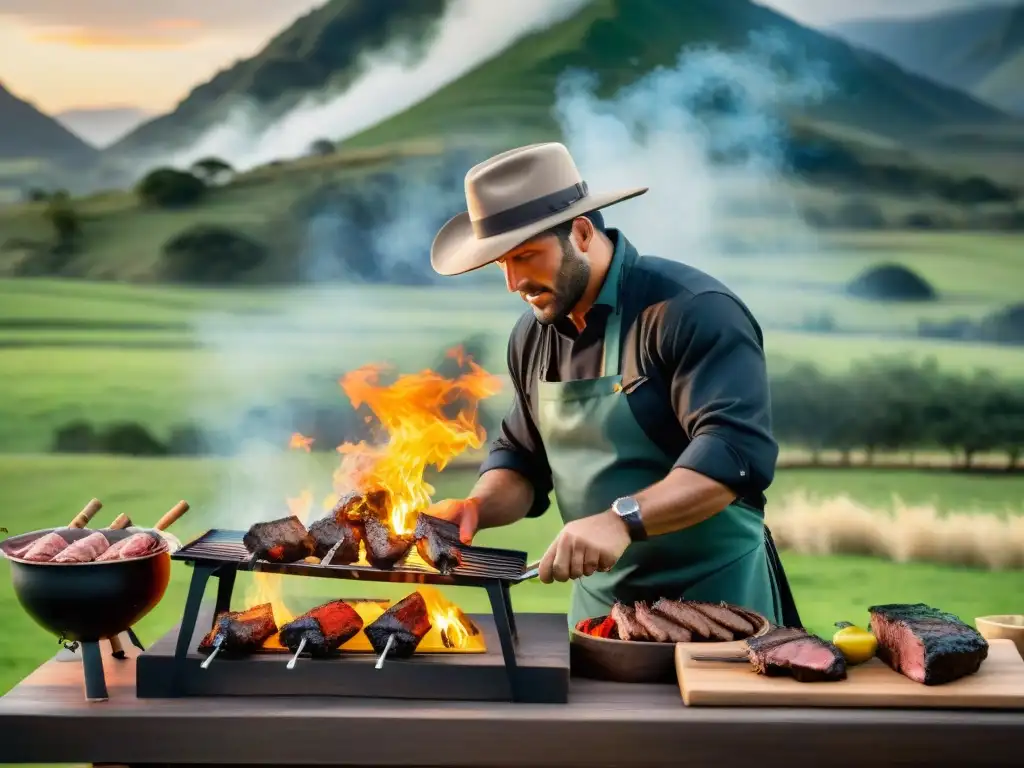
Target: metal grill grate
<point>225,547</point>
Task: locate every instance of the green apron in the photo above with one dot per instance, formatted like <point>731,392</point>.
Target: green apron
<point>598,452</point>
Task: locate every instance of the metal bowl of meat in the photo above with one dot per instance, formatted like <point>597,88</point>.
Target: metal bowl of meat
<point>636,644</point>
<point>85,585</point>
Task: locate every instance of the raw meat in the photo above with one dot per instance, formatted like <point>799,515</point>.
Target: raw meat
<point>324,628</point>
<point>438,543</point>
<point>407,620</point>
<point>44,549</point>
<point>659,628</point>
<point>798,654</point>
<point>84,550</point>
<point>136,545</point>
<point>626,623</point>
<point>925,644</point>
<point>284,540</point>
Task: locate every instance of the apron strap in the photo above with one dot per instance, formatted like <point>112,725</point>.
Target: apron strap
<point>612,337</point>
<point>790,615</point>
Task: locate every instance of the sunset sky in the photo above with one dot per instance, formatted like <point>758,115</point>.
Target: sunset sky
<point>62,54</point>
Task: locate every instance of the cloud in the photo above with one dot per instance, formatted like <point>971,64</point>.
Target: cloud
<point>169,33</point>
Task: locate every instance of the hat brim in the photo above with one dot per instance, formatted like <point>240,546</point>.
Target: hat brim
<point>456,249</point>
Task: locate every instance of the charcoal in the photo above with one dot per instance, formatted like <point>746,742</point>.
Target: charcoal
<point>408,621</point>
<point>284,540</point>
<point>626,624</point>
<point>241,632</point>
<point>384,548</point>
<point>925,644</point>
<point>726,617</point>
<point>438,543</point>
<point>324,628</point>
<point>798,654</point>
<point>658,627</point>
<point>689,618</point>
<point>328,531</point>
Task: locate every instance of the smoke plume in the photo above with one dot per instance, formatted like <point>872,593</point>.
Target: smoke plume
<point>469,33</point>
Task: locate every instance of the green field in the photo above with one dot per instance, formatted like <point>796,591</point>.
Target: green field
<point>47,491</point>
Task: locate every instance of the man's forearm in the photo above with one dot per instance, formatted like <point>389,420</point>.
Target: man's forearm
<point>505,496</point>
<point>681,500</point>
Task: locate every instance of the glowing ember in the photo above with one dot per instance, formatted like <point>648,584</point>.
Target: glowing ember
<point>300,442</point>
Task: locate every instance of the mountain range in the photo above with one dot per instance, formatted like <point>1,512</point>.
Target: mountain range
<point>322,53</point>
<point>978,50</point>
<point>102,126</point>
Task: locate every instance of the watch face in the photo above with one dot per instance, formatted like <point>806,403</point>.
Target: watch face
<point>626,506</point>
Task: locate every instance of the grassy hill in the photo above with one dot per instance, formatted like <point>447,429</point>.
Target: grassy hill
<point>33,144</point>
<point>318,54</point>
<point>980,50</point>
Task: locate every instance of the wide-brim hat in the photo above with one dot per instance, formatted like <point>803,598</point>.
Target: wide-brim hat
<point>511,198</point>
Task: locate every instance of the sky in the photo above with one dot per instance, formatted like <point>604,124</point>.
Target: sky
<point>65,54</point>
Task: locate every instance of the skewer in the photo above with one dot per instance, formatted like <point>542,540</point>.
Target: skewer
<point>295,658</point>
<point>384,653</point>
<point>214,652</point>
<point>330,554</point>
<point>730,659</point>
<point>88,512</point>
<point>121,522</point>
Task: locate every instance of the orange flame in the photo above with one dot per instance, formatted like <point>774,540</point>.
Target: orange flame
<point>301,442</point>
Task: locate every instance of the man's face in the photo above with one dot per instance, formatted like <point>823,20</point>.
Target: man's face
<point>550,274</point>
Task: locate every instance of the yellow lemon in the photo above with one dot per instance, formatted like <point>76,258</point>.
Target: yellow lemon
<point>857,645</point>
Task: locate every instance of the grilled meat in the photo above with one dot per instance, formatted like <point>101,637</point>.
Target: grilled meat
<point>725,616</point>
<point>241,631</point>
<point>136,545</point>
<point>324,628</point>
<point>44,549</point>
<point>626,624</point>
<point>798,654</point>
<point>329,531</point>
<point>438,543</point>
<point>658,627</point>
<point>407,620</point>
<point>384,548</point>
<point>350,508</point>
<point>84,550</point>
<point>688,617</point>
<point>284,540</point>
<point>925,644</point>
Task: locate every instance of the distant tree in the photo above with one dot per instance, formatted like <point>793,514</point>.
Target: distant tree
<point>67,225</point>
<point>890,282</point>
<point>321,147</point>
<point>208,253</point>
<point>170,188</point>
<point>37,195</point>
<point>212,170</point>
<point>131,439</point>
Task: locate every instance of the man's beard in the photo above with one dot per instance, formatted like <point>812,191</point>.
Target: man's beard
<point>570,285</point>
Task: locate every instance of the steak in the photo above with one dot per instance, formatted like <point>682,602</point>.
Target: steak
<point>626,624</point>
<point>324,628</point>
<point>798,654</point>
<point>136,545</point>
<point>44,549</point>
<point>328,532</point>
<point>925,644</point>
<point>658,627</point>
<point>408,621</point>
<point>688,617</point>
<point>84,550</point>
<point>241,631</point>
<point>438,543</point>
<point>384,548</point>
<point>284,540</point>
<point>725,616</point>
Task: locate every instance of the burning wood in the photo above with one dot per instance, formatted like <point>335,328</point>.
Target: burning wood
<point>401,627</point>
<point>438,543</point>
<point>240,632</point>
<point>284,540</point>
<point>322,630</point>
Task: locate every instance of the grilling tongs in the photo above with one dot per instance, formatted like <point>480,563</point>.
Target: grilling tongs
<point>529,572</point>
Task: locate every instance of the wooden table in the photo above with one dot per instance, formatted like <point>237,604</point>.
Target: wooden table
<point>46,720</point>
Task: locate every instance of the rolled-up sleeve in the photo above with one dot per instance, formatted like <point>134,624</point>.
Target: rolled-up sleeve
<point>720,393</point>
<point>518,445</point>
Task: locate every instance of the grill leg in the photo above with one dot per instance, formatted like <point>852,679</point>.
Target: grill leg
<point>506,595</point>
<point>504,622</point>
<point>196,590</point>
<point>135,639</point>
<point>225,587</point>
<point>92,665</point>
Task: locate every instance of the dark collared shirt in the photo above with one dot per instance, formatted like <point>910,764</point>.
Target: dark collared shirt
<point>693,372</point>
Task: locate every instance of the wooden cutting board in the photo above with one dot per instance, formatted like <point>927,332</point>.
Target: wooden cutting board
<point>999,684</point>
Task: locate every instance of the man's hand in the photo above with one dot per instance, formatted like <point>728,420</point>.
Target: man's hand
<point>584,547</point>
<point>463,512</point>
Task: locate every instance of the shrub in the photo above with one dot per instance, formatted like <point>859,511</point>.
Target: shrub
<point>188,440</point>
<point>859,214</point>
<point>76,437</point>
<point>170,188</point>
<point>208,253</point>
<point>891,282</point>
<point>212,170</point>
<point>131,439</point>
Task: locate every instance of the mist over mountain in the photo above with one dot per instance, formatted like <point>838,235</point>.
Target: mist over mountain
<point>979,50</point>
<point>102,126</point>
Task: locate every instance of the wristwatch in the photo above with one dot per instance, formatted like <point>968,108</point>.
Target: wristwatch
<point>629,512</point>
